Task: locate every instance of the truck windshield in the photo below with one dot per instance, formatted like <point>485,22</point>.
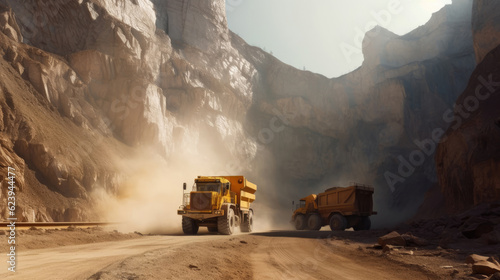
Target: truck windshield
<point>206,187</point>
<point>302,203</point>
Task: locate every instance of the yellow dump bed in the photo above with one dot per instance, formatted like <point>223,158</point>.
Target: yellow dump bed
<point>244,189</point>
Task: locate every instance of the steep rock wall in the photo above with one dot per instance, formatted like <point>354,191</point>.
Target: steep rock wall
<point>468,161</point>
<point>113,80</point>
<point>486,27</point>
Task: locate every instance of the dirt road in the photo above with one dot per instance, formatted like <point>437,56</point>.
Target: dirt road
<point>82,261</point>
<point>276,255</point>
<point>313,255</point>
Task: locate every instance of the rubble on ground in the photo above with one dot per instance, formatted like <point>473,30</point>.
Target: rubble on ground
<point>483,265</point>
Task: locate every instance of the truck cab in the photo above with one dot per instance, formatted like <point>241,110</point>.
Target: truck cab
<point>306,215</point>
<point>219,203</point>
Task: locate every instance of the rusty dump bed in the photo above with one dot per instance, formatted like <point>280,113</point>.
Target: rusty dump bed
<point>353,200</point>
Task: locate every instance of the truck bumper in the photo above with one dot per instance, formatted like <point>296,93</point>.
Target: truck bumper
<point>201,215</point>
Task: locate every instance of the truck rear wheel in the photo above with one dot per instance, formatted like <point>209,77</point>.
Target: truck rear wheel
<point>247,225</point>
<point>189,226</point>
<point>225,224</point>
<point>338,222</point>
<point>314,222</point>
<point>364,224</point>
<point>300,222</point>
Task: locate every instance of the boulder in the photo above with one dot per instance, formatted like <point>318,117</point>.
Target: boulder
<point>393,238</point>
<point>475,227</point>
<point>414,240</point>
<point>472,259</point>
<point>485,267</point>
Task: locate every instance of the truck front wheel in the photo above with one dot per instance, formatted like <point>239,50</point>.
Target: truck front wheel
<point>225,224</point>
<point>300,222</point>
<point>189,226</point>
<point>314,222</point>
<point>247,225</point>
<point>338,222</point>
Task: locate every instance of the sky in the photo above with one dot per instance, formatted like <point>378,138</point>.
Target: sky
<point>323,36</point>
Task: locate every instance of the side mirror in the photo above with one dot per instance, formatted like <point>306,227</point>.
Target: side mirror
<point>184,186</point>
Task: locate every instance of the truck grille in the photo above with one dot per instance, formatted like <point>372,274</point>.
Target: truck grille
<point>201,201</point>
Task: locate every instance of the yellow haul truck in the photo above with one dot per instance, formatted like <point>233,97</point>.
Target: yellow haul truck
<point>219,203</point>
<point>338,207</point>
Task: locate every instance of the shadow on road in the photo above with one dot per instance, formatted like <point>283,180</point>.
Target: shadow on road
<point>368,237</point>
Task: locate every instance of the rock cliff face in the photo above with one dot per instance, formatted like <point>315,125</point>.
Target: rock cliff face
<point>486,27</point>
<point>375,124</point>
<point>468,161</point>
<point>112,81</point>
<point>85,83</point>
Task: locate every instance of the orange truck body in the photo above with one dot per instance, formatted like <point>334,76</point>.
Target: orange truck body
<point>338,207</point>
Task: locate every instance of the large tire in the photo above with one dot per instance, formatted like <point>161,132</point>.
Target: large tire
<point>212,229</point>
<point>314,222</point>
<point>225,224</point>
<point>338,222</point>
<point>300,222</point>
<point>189,226</point>
<point>247,225</point>
<point>364,224</point>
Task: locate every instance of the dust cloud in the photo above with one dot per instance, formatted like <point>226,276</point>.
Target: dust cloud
<point>150,188</point>
<point>150,191</point>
